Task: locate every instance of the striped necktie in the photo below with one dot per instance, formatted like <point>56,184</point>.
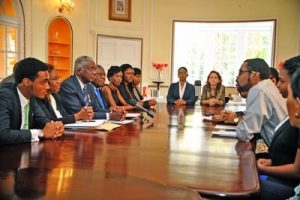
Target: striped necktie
<point>85,96</point>
<point>26,113</point>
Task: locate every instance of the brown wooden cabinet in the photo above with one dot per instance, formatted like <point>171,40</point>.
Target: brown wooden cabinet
<point>60,46</point>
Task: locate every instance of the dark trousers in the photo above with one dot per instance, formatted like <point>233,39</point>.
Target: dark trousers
<point>275,189</point>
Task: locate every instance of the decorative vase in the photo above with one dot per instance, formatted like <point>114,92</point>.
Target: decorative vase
<point>159,76</point>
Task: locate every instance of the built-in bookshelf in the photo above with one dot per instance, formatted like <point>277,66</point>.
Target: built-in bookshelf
<point>60,46</point>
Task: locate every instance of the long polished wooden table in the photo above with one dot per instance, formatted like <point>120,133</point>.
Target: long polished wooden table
<point>172,157</point>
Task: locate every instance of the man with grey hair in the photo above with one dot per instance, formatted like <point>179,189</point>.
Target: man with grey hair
<point>78,92</point>
<point>265,107</point>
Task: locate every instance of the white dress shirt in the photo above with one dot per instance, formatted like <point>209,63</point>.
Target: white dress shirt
<point>181,89</point>
<point>54,106</point>
<point>265,109</point>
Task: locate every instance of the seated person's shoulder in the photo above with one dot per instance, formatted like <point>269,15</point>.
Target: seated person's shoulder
<point>7,89</point>
<point>122,87</point>
<point>205,87</point>
<point>7,96</point>
<point>8,85</point>
<point>191,85</point>
<point>105,88</point>
<point>67,85</point>
<point>173,84</point>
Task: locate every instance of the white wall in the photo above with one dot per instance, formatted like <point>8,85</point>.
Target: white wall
<point>152,21</point>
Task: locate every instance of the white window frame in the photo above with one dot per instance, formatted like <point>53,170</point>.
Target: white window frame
<point>17,22</point>
<point>240,57</point>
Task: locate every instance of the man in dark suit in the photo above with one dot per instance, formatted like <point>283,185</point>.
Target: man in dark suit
<point>77,91</point>
<point>98,83</point>
<point>182,92</point>
<point>21,120</point>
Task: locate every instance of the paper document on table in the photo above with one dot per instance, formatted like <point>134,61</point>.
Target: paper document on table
<point>85,124</point>
<point>126,121</point>
<point>207,118</point>
<point>132,115</point>
<point>236,106</point>
<point>108,126</point>
<point>226,127</point>
<point>224,133</point>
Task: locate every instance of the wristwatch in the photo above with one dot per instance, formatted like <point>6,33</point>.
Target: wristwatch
<point>236,120</point>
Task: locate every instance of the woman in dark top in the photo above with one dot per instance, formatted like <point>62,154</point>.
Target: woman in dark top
<point>281,173</point>
<point>136,82</point>
<point>111,91</point>
<point>126,87</point>
<point>213,93</point>
<point>52,106</point>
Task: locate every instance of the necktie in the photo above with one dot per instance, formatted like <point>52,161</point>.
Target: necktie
<point>85,96</point>
<point>97,90</point>
<point>26,118</point>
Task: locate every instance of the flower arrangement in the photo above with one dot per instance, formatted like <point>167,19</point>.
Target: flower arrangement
<point>280,64</point>
<point>159,66</point>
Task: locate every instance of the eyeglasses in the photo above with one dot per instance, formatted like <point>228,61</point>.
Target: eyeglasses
<point>243,71</point>
<point>251,72</point>
<point>56,78</point>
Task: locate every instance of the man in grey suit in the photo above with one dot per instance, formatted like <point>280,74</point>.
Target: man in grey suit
<point>77,91</point>
<point>21,119</point>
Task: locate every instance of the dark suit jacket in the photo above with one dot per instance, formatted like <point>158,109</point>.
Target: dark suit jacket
<point>49,112</point>
<point>188,96</point>
<point>129,94</point>
<point>11,116</point>
<point>284,145</point>
<point>9,79</point>
<point>72,97</point>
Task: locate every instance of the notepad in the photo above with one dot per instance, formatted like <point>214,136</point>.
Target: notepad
<point>223,133</point>
<point>225,127</point>
<point>126,121</point>
<point>108,126</point>
<point>207,118</point>
<point>133,115</point>
<point>85,124</point>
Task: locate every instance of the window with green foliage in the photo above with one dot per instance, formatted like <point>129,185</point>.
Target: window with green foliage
<point>206,46</point>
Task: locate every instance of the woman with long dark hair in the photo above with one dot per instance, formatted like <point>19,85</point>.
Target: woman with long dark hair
<point>213,93</point>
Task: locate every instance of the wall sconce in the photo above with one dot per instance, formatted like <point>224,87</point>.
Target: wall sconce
<point>66,6</point>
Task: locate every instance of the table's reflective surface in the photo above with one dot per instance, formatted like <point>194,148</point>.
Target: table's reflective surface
<point>170,159</point>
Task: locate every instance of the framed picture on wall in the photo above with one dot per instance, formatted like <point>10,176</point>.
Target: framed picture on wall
<point>120,10</point>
